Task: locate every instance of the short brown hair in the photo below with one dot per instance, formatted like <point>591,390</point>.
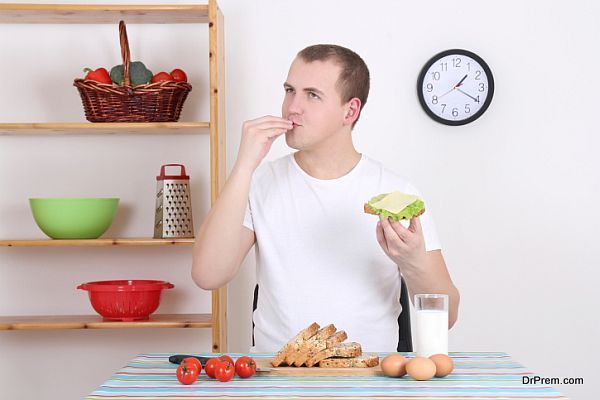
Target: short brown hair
<point>354,79</point>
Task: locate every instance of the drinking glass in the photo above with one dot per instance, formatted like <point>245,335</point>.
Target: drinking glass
<point>431,324</point>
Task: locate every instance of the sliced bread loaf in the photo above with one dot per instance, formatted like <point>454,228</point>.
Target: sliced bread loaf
<point>294,344</point>
<point>313,345</point>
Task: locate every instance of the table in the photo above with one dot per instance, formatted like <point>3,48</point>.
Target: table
<point>481,375</point>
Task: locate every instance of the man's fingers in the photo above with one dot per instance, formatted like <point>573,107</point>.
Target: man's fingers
<point>415,225</point>
<point>387,228</point>
<point>393,240</point>
<point>400,230</point>
<point>381,237</point>
<point>272,133</point>
<point>274,125</point>
<point>267,119</point>
<point>390,232</point>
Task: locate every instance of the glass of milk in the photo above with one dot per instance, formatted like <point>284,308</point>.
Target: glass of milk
<point>431,322</point>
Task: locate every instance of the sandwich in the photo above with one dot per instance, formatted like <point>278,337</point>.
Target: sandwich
<point>395,205</point>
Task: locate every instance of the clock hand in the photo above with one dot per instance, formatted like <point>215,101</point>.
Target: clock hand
<point>451,90</point>
<point>467,94</point>
<point>455,86</point>
<point>461,81</point>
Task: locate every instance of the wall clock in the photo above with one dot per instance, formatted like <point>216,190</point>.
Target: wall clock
<point>455,87</point>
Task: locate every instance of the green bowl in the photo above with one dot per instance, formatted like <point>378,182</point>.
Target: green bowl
<point>74,218</point>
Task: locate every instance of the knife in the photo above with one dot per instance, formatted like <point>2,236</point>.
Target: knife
<point>178,358</point>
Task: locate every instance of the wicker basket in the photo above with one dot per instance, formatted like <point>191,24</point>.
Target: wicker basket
<point>151,102</point>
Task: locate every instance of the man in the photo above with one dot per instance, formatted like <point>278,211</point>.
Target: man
<point>319,257</point>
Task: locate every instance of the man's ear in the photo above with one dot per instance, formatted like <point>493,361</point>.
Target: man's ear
<point>352,110</point>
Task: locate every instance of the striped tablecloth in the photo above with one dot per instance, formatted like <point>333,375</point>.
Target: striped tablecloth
<point>475,376</point>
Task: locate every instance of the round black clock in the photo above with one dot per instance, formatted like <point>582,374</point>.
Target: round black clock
<point>455,87</point>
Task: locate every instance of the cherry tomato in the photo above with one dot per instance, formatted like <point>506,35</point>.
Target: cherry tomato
<point>178,75</point>
<point>161,77</point>
<point>211,366</point>
<point>225,371</point>
<point>193,362</point>
<point>187,375</point>
<point>225,357</point>
<point>245,367</point>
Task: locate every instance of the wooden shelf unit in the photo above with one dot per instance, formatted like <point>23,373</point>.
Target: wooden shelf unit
<point>40,128</point>
<point>49,322</point>
<point>15,13</point>
<point>94,242</point>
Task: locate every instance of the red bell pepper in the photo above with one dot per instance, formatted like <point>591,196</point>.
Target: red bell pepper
<point>99,75</point>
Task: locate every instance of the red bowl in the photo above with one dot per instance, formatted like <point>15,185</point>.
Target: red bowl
<point>125,300</point>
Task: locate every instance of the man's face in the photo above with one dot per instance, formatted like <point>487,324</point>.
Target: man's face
<point>312,102</point>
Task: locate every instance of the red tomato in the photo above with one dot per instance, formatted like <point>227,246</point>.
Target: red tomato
<point>225,357</point>
<point>187,375</point>
<point>193,362</point>
<point>211,366</point>
<point>225,371</point>
<point>178,75</point>
<point>245,367</point>
<point>161,77</point>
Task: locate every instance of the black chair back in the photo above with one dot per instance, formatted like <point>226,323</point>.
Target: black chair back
<point>404,331</point>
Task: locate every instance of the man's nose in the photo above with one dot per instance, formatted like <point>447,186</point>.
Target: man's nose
<point>294,105</point>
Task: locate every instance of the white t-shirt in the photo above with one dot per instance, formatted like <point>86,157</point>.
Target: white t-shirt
<point>317,255</point>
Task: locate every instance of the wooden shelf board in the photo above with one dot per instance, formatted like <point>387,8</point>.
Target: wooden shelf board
<point>12,13</point>
<point>95,242</point>
<point>100,127</point>
<point>47,322</point>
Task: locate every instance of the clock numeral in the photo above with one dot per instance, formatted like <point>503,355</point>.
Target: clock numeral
<point>468,67</point>
<point>443,108</point>
<point>477,100</point>
<point>456,62</point>
<point>481,87</point>
<point>478,75</point>
<point>444,66</point>
<point>455,112</point>
<point>430,87</point>
<point>467,108</point>
<point>434,99</point>
<point>436,76</point>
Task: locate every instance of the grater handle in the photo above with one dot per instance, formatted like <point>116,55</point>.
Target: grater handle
<point>163,175</point>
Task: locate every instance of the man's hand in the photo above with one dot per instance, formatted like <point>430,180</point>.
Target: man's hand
<point>404,246</point>
<point>257,137</point>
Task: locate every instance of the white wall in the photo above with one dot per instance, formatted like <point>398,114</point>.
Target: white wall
<point>514,194</point>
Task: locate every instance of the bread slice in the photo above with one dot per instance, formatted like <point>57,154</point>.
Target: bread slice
<point>348,350</point>
<point>364,361</point>
<point>336,339</point>
<point>313,345</point>
<point>294,344</point>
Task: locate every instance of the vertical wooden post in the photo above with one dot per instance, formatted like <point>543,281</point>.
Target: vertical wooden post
<point>217,153</point>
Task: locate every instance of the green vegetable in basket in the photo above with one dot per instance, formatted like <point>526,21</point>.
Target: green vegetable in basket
<point>138,73</point>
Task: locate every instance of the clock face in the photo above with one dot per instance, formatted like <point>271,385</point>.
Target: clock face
<point>455,87</point>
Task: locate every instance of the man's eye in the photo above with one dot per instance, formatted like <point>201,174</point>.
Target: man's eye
<point>313,95</point>
<point>289,90</point>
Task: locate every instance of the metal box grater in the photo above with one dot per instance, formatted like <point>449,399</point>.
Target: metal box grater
<point>173,211</point>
